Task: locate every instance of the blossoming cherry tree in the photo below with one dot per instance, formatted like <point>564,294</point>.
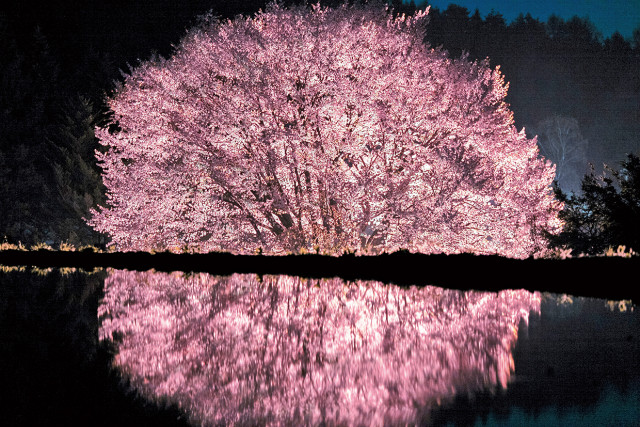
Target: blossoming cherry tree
<point>330,129</point>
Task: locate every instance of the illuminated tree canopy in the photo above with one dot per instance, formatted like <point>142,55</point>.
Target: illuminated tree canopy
<point>327,129</point>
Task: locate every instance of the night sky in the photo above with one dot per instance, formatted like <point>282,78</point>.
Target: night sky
<point>608,16</point>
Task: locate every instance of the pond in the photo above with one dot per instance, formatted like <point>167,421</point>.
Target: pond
<point>134,348</point>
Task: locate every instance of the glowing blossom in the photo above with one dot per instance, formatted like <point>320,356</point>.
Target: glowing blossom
<point>318,128</point>
<point>291,351</point>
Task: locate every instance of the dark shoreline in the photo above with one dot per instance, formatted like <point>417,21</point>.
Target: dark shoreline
<point>600,277</point>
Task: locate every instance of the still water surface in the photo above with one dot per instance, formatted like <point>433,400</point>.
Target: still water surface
<point>132,347</point>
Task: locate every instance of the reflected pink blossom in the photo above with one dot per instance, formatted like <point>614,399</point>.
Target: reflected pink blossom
<point>282,350</point>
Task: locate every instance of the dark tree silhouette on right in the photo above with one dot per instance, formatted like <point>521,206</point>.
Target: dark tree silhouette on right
<point>606,213</point>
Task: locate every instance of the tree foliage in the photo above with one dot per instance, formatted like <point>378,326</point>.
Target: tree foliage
<point>48,176</point>
<point>606,213</point>
<point>53,54</point>
<point>322,128</point>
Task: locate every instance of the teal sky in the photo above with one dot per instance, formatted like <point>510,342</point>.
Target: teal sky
<point>608,16</point>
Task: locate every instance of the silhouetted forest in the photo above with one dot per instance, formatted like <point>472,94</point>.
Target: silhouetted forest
<point>59,62</point>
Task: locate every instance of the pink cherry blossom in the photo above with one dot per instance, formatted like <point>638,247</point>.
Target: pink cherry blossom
<point>280,350</point>
<point>328,129</point>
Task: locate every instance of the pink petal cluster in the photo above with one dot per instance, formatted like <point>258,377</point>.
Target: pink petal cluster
<point>327,129</point>
<point>282,350</point>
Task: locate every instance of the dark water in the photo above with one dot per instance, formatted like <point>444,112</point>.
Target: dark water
<point>143,348</point>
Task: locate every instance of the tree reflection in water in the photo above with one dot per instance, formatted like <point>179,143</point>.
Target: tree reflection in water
<point>286,350</point>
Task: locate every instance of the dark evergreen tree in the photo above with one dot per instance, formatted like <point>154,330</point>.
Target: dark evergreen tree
<point>75,175</point>
<point>26,98</point>
<point>607,212</point>
<point>47,178</point>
